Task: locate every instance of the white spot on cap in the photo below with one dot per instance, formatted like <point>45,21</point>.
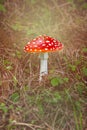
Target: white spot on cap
<point>34,39</point>
<point>46,48</point>
<point>47,41</point>
<point>35,49</point>
<point>49,44</point>
<point>24,48</point>
<point>47,37</point>
<point>43,44</point>
<point>30,49</point>
<point>56,45</point>
<point>27,48</point>
<point>54,40</point>
<point>52,43</point>
<point>59,43</point>
<point>53,48</point>
<point>40,41</point>
<point>35,46</point>
<point>34,42</point>
<point>28,43</point>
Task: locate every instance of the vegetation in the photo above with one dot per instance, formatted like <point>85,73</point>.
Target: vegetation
<point>59,102</point>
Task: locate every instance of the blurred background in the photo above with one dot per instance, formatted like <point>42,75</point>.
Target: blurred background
<point>60,101</point>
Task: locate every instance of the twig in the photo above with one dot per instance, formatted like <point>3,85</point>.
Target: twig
<point>14,122</point>
<point>65,4</point>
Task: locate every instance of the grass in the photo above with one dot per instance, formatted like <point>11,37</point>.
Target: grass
<point>59,101</point>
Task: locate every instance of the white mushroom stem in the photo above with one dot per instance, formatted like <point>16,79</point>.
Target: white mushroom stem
<point>43,64</point>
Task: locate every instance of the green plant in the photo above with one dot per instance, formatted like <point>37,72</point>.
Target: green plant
<point>84,71</point>
<point>15,97</point>
<point>76,105</point>
<point>59,81</point>
<point>2,1</point>
<point>84,5</point>
<point>80,87</point>
<point>15,81</point>
<point>7,64</point>
<point>77,115</point>
<point>2,8</point>
<point>3,107</point>
<point>84,49</point>
<point>72,67</point>
<point>18,54</point>
<point>56,81</point>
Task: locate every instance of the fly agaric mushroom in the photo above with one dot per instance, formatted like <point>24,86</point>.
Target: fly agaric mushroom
<point>43,44</point>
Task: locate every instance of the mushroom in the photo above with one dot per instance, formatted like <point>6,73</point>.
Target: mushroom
<point>43,44</point>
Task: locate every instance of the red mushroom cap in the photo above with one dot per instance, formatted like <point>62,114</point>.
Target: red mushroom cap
<point>43,43</point>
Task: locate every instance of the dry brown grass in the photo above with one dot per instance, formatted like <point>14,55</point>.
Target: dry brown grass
<point>41,106</point>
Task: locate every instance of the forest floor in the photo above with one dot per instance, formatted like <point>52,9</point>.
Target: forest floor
<point>59,102</point>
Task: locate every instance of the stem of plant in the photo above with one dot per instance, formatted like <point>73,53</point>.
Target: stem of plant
<point>43,65</point>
